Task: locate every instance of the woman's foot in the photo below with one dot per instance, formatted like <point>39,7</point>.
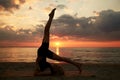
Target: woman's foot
<point>52,13</point>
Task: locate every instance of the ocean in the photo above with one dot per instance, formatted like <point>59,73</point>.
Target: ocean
<point>82,55</point>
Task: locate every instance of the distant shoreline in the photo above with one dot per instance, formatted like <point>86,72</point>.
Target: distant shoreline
<point>51,47</point>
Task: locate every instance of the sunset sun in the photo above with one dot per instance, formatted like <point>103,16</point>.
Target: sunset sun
<point>57,44</point>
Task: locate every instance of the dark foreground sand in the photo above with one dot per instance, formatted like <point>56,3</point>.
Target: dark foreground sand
<point>25,71</point>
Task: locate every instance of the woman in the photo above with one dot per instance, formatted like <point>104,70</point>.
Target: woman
<point>44,52</point>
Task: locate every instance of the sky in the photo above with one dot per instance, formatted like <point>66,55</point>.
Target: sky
<point>77,23</point>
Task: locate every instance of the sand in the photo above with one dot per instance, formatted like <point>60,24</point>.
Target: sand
<point>25,71</point>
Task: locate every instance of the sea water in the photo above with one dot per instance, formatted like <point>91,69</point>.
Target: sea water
<point>82,55</point>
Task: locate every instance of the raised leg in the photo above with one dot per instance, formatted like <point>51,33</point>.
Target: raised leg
<point>47,27</point>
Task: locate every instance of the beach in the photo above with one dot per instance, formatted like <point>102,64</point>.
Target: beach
<point>94,71</point>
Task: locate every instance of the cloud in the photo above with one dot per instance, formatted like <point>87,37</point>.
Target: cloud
<point>61,6</point>
<point>1,23</point>
<point>72,1</point>
<point>8,33</point>
<point>47,9</point>
<point>96,13</point>
<point>51,6</point>
<point>8,5</point>
<point>105,27</point>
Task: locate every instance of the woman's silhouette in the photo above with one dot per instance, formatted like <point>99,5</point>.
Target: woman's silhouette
<point>44,52</point>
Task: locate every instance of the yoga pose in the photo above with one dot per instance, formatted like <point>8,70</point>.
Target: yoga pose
<point>44,52</point>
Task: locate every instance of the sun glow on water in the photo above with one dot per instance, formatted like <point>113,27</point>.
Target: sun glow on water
<point>57,47</point>
<point>57,50</point>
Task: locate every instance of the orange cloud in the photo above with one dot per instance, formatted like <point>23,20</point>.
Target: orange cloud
<point>10,5</point>
<point>47,9</point>
<point>72,1</point>
<point>73,43</point>
<point>96,13</point>
<point>50,7</point>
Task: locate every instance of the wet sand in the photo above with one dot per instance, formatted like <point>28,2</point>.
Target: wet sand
<point>25,71</point>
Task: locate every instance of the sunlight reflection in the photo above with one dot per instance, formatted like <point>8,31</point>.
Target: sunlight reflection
<point>57,50</point>
<point>57,47</point>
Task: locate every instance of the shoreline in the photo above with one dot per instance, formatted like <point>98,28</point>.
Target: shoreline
<point>90,71</point>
